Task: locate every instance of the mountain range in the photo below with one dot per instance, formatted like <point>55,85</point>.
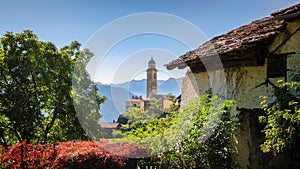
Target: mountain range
<point>116,94</point>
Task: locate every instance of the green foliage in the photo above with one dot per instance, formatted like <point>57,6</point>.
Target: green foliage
<point>200,136</point>
<point>35,90</point>
<point>208,143</point>
<point>281,118</point>
<point>137,117</point>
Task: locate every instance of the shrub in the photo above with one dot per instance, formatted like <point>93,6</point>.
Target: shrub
<point>27,156</point>
<point>71,154</point>
<point>281,118</point>
<point>208,143</point>
<point>203,134</point>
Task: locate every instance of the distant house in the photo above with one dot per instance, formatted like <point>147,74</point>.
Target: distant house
<point>135,102</point>
<point>109,128</point>
<point>253,57</point>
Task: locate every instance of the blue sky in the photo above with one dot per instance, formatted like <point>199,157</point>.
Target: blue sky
<point>63,21</point>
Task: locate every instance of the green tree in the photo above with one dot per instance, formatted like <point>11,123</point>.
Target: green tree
<point>36,86</point>
<point>281,118</point>
<point>85,96</point>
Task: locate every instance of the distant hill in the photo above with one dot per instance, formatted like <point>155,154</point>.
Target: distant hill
<point>116,94</point>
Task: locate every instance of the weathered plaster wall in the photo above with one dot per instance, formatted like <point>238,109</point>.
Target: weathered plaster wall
<point>251,87</point>
<point>292,45</point>
<point>190,88</point>
<point>241,84</point>
<point>196,84</point>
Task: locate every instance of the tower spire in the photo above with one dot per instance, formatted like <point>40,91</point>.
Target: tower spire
<point>151,79</point>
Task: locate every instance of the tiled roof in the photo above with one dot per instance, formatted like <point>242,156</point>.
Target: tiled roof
<point>109,125</point>
<point>239,41</point>
<point>289,10</point>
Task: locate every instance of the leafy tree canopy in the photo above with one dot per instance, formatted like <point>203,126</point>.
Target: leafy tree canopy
<point>35,89</point>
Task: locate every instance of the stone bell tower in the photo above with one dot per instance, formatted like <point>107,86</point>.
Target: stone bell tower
<point>151,79</point>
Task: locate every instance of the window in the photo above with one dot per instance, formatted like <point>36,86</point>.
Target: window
<point>277,66</point>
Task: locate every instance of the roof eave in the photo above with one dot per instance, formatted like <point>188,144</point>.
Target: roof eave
<point>274,24</point>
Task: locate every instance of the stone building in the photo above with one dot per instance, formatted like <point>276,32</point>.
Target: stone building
<point>151,79</point>
<point>244,64</point>
<point>135,102</point>
<point>152,97</point>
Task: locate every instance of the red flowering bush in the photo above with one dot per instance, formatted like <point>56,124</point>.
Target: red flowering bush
<point>71,154</point>
<point>28,155</point>
<point>94,154</point>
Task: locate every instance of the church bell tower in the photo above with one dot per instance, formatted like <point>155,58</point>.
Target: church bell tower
<point>151,79</point>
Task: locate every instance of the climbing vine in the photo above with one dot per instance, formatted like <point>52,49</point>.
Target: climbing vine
<point>282,118</point>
